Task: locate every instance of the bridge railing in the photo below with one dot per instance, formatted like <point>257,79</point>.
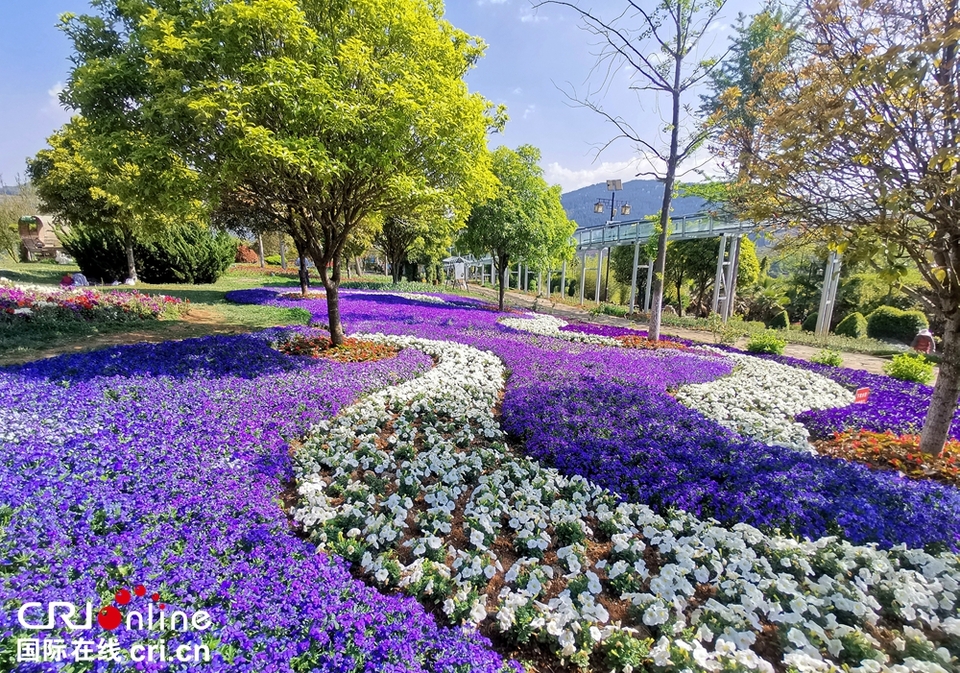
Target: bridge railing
<point>699,225</point>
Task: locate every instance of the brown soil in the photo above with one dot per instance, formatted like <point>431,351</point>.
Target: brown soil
<point>196,322</point>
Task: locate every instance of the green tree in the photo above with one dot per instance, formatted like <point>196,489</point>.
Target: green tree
<point>742,89</point>
<point>418,233</point>
<point>330,112</point>
<point>524,221</point>
<point>660,45</point>
<point>83,181</point>
<point>867,144</point>
<point>12,208</point>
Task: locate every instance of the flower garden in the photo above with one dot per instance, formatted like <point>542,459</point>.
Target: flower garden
<point>471,490</point>
<point>19,305</point>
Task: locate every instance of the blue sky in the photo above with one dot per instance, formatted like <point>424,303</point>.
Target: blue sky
<point>531,56</point>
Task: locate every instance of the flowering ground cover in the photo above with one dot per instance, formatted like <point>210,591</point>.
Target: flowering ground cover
<point>885,450</point>
<point>416,485</point>
<point>162,466</point>
<point>604,413</point>
<point>761,398</point>
<point>894,405</point>
<point>20,305</point>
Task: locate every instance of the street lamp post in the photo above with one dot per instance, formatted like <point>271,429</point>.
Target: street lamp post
<point>599,207</point>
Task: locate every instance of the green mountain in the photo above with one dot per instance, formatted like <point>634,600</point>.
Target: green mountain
<point>644,197</point>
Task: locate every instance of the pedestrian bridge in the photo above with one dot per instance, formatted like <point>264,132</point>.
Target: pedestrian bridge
<point>683,228</point>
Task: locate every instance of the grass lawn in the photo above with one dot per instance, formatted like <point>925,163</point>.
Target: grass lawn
<point>209,312</point>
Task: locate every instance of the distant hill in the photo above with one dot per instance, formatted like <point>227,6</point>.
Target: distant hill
<point>644,197</point>
<point>9,190</point>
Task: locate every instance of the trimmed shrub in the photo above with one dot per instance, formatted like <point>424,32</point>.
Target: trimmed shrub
<point>810,322</point>
<point>98,253</point>
<point>888,322</point>
<point>272,260</point>
<point>246,255</point>
<point>854,325</point>
<point>828,357</point>
<point>909,367</point>
<point>183,254</point>
<point>767,341</point>
<point>780,321</point>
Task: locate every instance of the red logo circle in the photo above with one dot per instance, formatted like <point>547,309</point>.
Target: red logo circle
<point>109,618</point>
<point>122,597</point>
<point>140,590</point>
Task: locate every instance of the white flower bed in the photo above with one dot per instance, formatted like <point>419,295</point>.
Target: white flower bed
<point>415,484</point>
<point>760,398</point>
<point>548,325</point>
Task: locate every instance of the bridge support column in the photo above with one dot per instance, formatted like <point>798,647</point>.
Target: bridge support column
<point>730,288</point>
<point>633,277</point>
<point>828,296</point>
<point>647,294</point>
<point>719,277</point>
<point>583,275</point>
<point>599,266</point>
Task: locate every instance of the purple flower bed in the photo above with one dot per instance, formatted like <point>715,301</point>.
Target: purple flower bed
<point>898,406</point>
<point>604,413</point>
<point>163,465</point>
<point>613,331</point>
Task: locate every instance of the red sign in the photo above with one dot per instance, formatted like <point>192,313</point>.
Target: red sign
<point>860,397</point>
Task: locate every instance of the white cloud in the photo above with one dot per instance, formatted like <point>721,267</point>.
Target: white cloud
<point>528,15</point>
<point>699,167</point>
<point>570,179</point>
<point>53,109</point>
<point>517,91</point>
<point>717,26</point>
<point>528,111</point>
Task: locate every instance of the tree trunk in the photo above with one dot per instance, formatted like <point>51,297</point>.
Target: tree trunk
<point>283,252</point>
<point>396,268</point>
<point>943,405</point>
<point>502,276</point>
<point>131,262</point>
<point>304,274</point>
<point>331,283</point>
<point>260,249</point>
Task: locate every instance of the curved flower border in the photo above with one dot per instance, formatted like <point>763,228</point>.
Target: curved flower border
<point>760,399</point>
<point>382,483</point>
